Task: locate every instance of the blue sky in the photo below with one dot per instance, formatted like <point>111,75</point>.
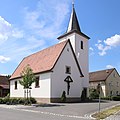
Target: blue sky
<point>27,26</point>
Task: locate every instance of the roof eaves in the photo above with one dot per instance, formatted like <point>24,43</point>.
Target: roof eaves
<point>72,31</point>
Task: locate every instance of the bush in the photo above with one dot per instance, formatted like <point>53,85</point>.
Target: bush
<point>33,100</point>
<point>63,97</point>
<point>106,98</point>
<point>93,94</point>
<point>1,101</point>
<point>116,98</point>
<point>14,101</point>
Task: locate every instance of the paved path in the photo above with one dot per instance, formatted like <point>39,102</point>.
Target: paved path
<point>74,111</point>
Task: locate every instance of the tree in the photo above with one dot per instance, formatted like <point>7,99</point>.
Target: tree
<point>93,93</point>
<point>27,79</point>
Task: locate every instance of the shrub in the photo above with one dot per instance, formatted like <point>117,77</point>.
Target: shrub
<point>33,100</point>
<point>1,101</point>
<point>63,97</point>
<point>116,98</point>
<point>14,101</point>
<point>106,98</point>
<point>93,94</point>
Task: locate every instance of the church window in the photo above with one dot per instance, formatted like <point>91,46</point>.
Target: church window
<point>37,82</point>
<point>81,44</point>
<point>68,69</point>
<point>15,85</point>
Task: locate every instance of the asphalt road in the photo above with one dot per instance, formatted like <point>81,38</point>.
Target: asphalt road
<point>75,111</point>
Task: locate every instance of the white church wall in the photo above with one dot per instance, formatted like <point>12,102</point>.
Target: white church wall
<point>19,92</point>
<point>82,56</point>
<point>43,91</point>
<point>58,85</point>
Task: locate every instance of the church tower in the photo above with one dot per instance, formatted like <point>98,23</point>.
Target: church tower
<point>79,43</point>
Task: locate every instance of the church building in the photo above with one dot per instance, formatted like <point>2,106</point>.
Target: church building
<point>62,67</point>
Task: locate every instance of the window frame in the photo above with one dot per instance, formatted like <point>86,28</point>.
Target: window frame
<point>68,69</point>
<point>37,82</point>
<point>81,45</point>
<point>16,85</point>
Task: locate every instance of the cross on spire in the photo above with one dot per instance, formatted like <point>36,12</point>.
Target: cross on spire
<point>73,2</point>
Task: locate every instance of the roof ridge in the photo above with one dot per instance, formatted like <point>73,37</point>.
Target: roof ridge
<point>102,70</point>
<point>45,49</point>
<point>40,61</point>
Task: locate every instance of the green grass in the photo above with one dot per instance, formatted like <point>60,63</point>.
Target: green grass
<point>106,113</point>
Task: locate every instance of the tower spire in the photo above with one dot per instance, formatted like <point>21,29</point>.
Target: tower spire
<point>73,24</point>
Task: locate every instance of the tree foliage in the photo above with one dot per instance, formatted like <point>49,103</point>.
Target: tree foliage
<point>27,77</point>
<point>93,93</point>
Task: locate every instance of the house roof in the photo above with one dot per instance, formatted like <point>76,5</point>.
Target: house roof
<point>4,82</point>
<point>100,75</point>
<point>41,61</point>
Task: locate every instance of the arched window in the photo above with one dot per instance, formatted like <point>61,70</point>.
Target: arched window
<point>81,44</point>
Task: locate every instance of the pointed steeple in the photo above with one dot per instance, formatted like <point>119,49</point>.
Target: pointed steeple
<point>73,24</point>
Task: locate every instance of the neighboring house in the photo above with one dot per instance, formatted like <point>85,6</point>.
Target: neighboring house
<point>4,86</point>
<point>109,80</point>
<point>62,67</point>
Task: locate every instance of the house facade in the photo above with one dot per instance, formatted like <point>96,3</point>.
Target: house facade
<point>62,67</point>
<point>109,80</point>
<point>4,86</point>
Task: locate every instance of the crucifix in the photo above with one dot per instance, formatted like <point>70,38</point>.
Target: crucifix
<point>68,80</point>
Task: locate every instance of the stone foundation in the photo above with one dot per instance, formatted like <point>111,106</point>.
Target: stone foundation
<point>57,100</point>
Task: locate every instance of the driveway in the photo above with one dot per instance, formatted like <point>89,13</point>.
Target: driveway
<point>66,111</point>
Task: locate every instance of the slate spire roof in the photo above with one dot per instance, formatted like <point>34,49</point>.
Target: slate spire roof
<point>73,24</point>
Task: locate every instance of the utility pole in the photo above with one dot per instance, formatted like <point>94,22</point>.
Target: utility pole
<point>99,98</point>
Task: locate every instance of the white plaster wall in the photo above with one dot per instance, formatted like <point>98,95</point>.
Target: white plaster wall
<point>42,92</point>
<point>58,76</point>
<point>82,54</point>
<point>19,92</point>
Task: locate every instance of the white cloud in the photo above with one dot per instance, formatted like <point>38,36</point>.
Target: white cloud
<point>7,31</point>
<point>109,43</point>
<point>47,23</point>
<point>4,59</point>
<point>91,51</point>
<point>102,49</point>
<point>109,66</point>
<point>113,41</point>
<point>40,25</point>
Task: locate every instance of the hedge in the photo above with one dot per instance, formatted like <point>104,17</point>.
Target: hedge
<point>116,98</point>
<point>14,101</point>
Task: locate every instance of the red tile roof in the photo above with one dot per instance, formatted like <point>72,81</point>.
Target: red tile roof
<point>100,75</point>
<point>41,61</point>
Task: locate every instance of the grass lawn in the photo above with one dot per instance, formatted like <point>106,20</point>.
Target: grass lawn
<point>106,113</point>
